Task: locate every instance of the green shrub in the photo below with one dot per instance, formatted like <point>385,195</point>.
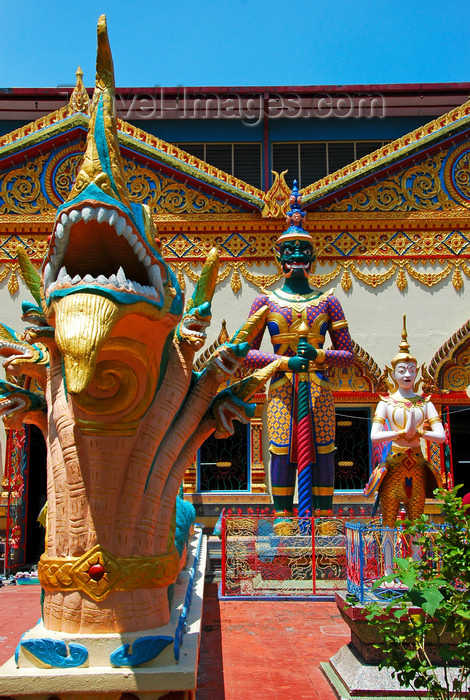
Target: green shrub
<point>439,586</point>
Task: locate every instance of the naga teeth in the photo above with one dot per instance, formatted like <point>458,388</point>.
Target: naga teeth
<point>102,215</point>
<point>155,289</point>
<point>48,275</point>
<point>140,252</point>
<point>120,225</point>
<point>156,279</point>
<point>121,276</point>
<point>88,214</point>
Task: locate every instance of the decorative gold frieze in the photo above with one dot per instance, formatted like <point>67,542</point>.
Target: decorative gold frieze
<point>186,258</point>
<point>364,375</point>
<point>391,151</point>
<point>449,369</point>
<point>456,174</point>
<point>21,191</point>
<point>417,187</point>
<point>24,190</point>
<point>163,194</point>
<point>277,198</point>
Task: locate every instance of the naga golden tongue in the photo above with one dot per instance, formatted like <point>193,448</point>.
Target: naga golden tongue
<point>83,323</point>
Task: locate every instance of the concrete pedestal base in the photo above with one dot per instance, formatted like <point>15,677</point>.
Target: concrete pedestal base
<point>354,672</point>
<point>351,677</point>
<point>149,664</point>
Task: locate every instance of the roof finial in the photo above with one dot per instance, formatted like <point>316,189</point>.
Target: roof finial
<point>295,217</point>
<point>79,100</point>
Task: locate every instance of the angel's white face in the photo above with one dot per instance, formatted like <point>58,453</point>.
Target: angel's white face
<point>405,374</point>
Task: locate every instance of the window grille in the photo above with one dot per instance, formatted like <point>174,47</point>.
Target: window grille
<point>243,160</point>
<point>223,465</point>
<point>308,162</point>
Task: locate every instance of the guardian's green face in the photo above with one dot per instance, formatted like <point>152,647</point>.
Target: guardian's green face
<point>296,258</point>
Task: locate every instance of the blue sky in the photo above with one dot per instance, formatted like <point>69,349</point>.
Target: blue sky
<point>238,42</point>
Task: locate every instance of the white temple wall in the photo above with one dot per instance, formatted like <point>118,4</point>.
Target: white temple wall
<point>374,315</point>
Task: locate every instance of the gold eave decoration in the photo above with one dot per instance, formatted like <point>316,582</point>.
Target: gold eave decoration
<point>451,122</point>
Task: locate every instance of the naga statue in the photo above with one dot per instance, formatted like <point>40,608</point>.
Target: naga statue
<point>111,346</point>
<point>301,415</point>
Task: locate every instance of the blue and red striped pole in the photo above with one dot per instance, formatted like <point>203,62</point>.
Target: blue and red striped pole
<point>305,446</point>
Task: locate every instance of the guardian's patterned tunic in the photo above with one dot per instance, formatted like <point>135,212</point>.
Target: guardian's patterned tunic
<point>321,313</point>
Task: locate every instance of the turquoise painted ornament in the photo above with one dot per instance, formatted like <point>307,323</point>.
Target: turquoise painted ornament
<point>144,649</point>
<point>54,653</point>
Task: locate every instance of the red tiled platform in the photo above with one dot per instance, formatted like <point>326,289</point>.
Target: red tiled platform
<point>250,650</point>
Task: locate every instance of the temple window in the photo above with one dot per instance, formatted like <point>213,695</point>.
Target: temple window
<point>243,160</point>
<point>310,161</point>
<point>353,453</point>
<point>224,465</point>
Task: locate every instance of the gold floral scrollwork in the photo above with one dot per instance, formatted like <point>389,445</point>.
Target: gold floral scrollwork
<point>372,279</point>
<point>363,375</point>
<point>457,376</point>
<point>456,174</point>
<point>462,174</point>
<point>66,173</point>
<point>20,189</point>
<point>180,276</point>
<point>418,187</point>
<point>451,355</point>
<point>13,285</point>
<point>260,281</point>
<point>402,282</point>
<point>322,280</point>
<point>62,171</point>
<point>349,379</point>
<point>457,280</point>
<point>429,278</point>
<point>193,275</point>
<point>464,267</point>
<point>164,195</point>
<point>235,282</point>
<point>276,200</point>
<point>346,281</point>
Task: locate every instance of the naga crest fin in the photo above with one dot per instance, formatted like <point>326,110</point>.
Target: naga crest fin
<point>102,164</point>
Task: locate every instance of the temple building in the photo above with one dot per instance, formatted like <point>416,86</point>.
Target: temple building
<point>384,175</point>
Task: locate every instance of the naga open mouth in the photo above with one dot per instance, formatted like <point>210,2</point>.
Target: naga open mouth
<point>106,255</point>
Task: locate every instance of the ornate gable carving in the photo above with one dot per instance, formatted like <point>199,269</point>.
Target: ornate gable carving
<point>44,183</point>
<point>364,375</point>
<point>416,188</point>
<point>449,369</point>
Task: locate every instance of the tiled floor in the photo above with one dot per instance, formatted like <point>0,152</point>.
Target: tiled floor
<point>253,650</point>
<point>263,650</point>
